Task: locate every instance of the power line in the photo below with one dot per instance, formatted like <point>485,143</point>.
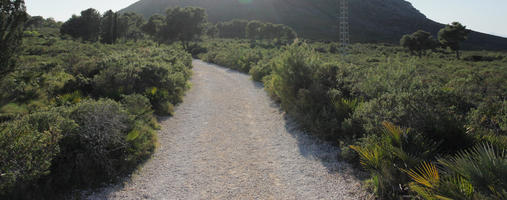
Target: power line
<point>343,25</point>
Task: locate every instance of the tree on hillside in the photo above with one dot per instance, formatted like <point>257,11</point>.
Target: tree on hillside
<point>154,25</point>
<point>34,22</point>
<point>39,22</point>
<point>86,26</point>
<point>72,27</point>
<point>253,29</point>
<point>52,23</point>
<point>419,42</point>
<point>288,33</point>
<point>452,35</point>
<point>211,30</point>
<point>130,25</point>
<point>183,24</point>
<point>12,18</point>
<point>232,29</point>
<point>270,31</point>
<point>108,27</point>
<point>408,42</point>
<point>90,25</point>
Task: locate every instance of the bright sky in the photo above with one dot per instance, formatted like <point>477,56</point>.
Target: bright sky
<point>62,10</point>
<point>488,16</point>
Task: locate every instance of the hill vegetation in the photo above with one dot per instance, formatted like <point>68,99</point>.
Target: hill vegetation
<point>372,21</point>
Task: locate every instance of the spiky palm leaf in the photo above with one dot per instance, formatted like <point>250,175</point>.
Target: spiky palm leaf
<point>426,193</point>
<point>463,185</point>
<point>457,187</point>
<point>426,174</point>
<point>395,133</point>
<point>371,157</point>
<point>483,166</point>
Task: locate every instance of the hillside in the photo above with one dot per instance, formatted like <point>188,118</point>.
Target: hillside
<point>371,20</point>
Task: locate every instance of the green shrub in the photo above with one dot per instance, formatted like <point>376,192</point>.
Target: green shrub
<point>141,137</point>
<point>196,49</point>
<point>239,56</point>
<point>424,111</point>
<point>477,173</point>
<point>137,105</point>
<point>28,147</point>
<point>110,140</point>
<point>95,150</point>
<point>262,69</point>
<point>12,110</point>
<point>140,109</point>
<point>313,93</point>
<point>489,118</point>
<point>395,148</point>
<point>292,74</point>
<point>162,82</point>
<point>142,142</point>
<point>57,133</point>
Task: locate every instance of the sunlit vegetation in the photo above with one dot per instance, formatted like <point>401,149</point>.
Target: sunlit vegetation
<point>76,113</point>
<point>432,126</point>
<point>92,103</point>
<point>78,99</point>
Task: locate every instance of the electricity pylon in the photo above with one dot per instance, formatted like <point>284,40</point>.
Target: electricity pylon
<point>343,25</point>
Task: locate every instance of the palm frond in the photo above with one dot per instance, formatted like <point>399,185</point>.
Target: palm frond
<point>484,166</point>
<point>426,193</point>
<point>426,174</point>
<point>395,133</point>
<point>370,157</point>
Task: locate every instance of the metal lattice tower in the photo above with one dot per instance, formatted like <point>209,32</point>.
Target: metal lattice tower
<point>343,25</point>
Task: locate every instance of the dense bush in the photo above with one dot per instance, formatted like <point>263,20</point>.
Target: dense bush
<point>262,69</point>
<point>311,91</point>
<point>141,137</point>
<point>162,82</point>
<point>95,150</point>
<point>423,111</point>
<point>110,139</point>
<point>27,148</point>
<point>393,149</point>
<point>74,115</point>
<point>238,56</point>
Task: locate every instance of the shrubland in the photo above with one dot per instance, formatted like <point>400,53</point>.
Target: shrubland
<point>76,115</point>
<point>432,126</point>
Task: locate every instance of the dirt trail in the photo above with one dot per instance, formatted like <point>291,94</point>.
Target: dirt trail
<point>228,140</point>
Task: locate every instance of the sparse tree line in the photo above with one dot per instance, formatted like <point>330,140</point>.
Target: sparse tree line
<point>448,37</point>
<point>40,22</point>
<point>178,24</point>
<point>254,29</point>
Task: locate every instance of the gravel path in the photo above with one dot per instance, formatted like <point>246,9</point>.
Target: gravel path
<point>228,140</point>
